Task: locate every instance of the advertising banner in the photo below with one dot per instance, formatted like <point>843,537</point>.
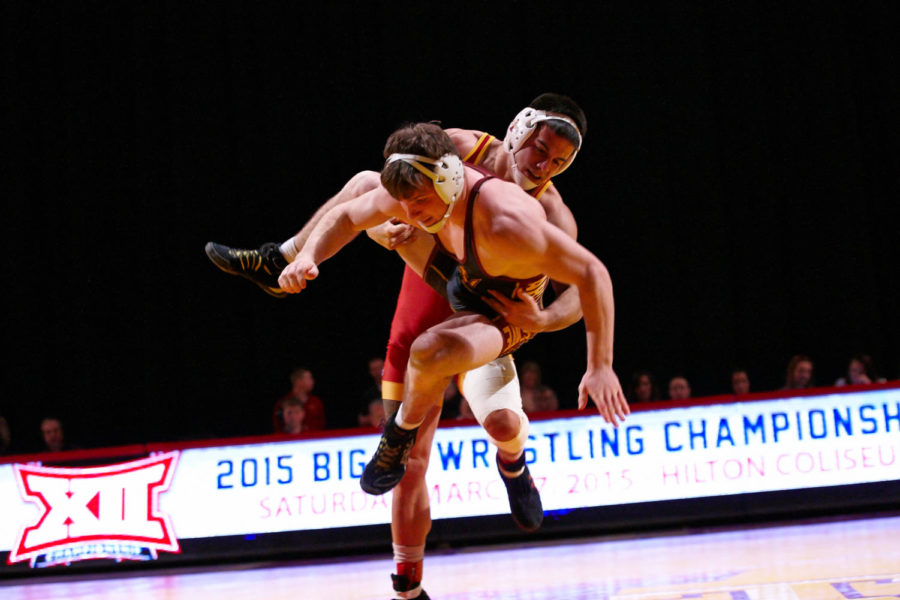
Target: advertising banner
<point>137,509</point>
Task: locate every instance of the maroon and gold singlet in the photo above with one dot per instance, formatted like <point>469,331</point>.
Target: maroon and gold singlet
<point>420,307</point>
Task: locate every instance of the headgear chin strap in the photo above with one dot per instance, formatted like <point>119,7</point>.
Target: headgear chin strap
<point>448,177</point>
<point>524,125</point>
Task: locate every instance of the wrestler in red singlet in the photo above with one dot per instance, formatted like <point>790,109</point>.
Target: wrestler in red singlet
<point>420,307</point>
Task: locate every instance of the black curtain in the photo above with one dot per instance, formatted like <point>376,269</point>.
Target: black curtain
<point>738,178</point>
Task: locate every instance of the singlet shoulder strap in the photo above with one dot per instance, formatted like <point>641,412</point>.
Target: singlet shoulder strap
<point>471,254</point>
<point>476,154</point>
<point>539,191</point>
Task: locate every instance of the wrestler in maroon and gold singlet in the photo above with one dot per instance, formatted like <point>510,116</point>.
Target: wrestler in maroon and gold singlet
<point>420,307</point>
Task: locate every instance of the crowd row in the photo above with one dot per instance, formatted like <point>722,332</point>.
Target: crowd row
<point>300,410</point>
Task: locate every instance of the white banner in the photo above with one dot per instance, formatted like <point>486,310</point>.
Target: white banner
<point>678,453</point>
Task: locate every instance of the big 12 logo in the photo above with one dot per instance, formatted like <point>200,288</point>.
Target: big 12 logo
<point>115,504</point>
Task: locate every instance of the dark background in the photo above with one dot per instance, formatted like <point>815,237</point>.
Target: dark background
<point>739,178</point>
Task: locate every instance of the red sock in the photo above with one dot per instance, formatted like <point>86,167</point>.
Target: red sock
<point>411,570</point>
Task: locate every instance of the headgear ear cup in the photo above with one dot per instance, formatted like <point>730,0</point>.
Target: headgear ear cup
<point>448,178</point>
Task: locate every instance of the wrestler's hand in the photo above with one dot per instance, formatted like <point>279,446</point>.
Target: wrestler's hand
<point>293,278</point>
<point>391,234</point>
<point>602,385</point>
<point>524,313</point>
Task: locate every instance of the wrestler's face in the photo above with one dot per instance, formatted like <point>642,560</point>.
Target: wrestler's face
<point>423,206</point>
<point>542,156</point>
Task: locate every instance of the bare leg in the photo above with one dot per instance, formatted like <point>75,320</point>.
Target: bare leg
<point>461,343</point>
<point>410,508</point>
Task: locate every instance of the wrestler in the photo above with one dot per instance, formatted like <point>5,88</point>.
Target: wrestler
<point>540,143</point>
<point>501,242</point>
<point>538,146</point>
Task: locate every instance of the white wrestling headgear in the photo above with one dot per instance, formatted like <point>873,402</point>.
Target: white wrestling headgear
<point>448,177</point>
<point>521,129</point>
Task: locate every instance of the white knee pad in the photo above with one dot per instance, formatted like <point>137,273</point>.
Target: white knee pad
<point>495,386</point>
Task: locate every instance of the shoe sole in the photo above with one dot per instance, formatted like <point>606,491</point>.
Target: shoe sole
<point>222,263</point>
<point>381,484</point>
<point>528,528</point>
<point>422,596</point>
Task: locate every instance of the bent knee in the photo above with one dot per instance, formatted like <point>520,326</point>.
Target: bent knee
<point>503,424</point>
<point>430,349</point>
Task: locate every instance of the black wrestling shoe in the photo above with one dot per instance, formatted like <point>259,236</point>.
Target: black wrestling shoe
<point>388,464</point>
<point>524,499</point>
<point>403,584</point>
<point>262,266</point>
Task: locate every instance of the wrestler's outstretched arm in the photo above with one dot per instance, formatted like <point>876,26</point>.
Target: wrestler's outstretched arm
<point>391,235</point>
<point>334,230</point>
<point>337,227</point>
<point>359,184</point>
<point>565,310</point>
<point>532,243</point>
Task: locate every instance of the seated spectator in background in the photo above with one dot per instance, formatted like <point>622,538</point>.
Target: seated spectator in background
<point>545,400</point>
<point>740,382</point>
<point>643,388</point>
<point>376,370</point>
<point>532,388</point>
<point>373,415</point>
<point>679,388</point>
<point>302,384</point>
<point>799,375</point>
<point>376,414</point>
<point>5,437</point>
<point>53,435</point>
<point>293,414</point>
<point>860,371</point>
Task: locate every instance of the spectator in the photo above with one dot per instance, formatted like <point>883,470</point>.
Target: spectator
<point>545,400</point>
<point>532,389</point>
<point>679,388</point>
<point>376,369</point>
<point>302,383</point>
<point>860,371</point>
<point>5,437</point>
<point>54,436</point>
<point>740,382</point>
<point>375,416</point>
<point>643,388</point>
<point>799,374</point>
<point>293,413</point>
